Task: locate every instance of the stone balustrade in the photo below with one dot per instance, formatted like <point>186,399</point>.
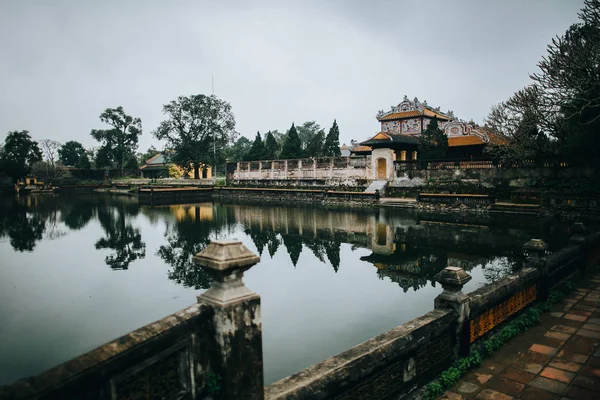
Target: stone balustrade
<point>325,168</point>
<point>213,349</point>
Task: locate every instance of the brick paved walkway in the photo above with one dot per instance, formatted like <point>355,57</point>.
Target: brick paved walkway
<point>557,359</point>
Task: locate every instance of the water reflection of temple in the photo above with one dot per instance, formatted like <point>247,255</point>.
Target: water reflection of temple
<point>405,249</point>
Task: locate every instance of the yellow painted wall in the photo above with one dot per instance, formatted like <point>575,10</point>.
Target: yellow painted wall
<point>176,171</point>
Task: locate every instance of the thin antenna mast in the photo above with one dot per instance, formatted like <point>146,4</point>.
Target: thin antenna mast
<point>212,78</point>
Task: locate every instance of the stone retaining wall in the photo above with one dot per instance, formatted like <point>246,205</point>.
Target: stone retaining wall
<point>154,196</point>
<point>295,195</point>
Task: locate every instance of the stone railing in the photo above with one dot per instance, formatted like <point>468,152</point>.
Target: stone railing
<point>326,168</point>
<point>220,339</point>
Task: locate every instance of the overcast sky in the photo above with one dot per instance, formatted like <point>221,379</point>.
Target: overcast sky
<point>64,62</point>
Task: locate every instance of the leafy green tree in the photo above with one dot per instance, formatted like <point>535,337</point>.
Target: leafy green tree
<point>70,153</point>
<point>120,141</point>
<point>84,161</point>
<point>257,150</point>
<point>19,152</point>
<point>198,130</point>
<point>315,146</point>
<point>103,158</point>
<point>331,148</point>
<point>271,147</point>
<point>238,150</point>
<point>292,147</point>
<point>433,141</point>
<point>132,163</point>
<point>570,87</point>
<point>307,131</point>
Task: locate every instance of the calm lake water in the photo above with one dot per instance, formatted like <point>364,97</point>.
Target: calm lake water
<point>76,272</point>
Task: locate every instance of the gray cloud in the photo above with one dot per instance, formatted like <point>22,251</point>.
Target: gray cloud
<point>63,62</point>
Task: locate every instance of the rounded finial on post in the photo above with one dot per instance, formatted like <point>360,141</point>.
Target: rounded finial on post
<point>535,248</point>
<point>226,261</point>
<point>453,278</point>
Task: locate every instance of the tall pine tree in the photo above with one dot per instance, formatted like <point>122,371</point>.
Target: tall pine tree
<point>332,142</point>
<point>292,147</point>
<point>271,147</point>
<point>315,146</point>
<point>434,142</point>
<point>257,150</point>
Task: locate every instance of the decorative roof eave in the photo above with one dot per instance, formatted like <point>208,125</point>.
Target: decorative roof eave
<point>384,139</point>
<point>413,108</point>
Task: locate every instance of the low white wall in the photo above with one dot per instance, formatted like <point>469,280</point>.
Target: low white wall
<point>334,168</point>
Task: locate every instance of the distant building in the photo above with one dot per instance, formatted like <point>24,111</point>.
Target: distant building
<point>401,126</point>
<point>160,166</point>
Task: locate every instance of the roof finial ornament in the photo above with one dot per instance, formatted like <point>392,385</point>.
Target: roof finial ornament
<point>405,98</point>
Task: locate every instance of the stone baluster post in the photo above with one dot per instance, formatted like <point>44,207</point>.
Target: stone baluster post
<point>331,168</point>
<point>452,280</point>
<point>272,169</point>
<point>285,170</point>
<point>535,251</point>
<point>299,169</point>
<point>237,319</point>
<point>314,160</point>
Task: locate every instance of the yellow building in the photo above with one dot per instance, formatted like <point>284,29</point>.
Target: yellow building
<point>160,167</point>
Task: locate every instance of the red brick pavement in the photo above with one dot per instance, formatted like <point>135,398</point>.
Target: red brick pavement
<point>557,359</point>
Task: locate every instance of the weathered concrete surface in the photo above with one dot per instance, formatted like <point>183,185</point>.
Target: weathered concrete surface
<point>379,368</point>
<point>296,195</point>
<point>496,292</point>
<point>558,359</point>
<point>111,367</point>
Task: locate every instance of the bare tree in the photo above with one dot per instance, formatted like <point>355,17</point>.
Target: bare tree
<point>522,130</point>
<point>50,149</point>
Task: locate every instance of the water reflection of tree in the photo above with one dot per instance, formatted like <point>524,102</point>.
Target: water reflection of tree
<point>22,228</point>
<point>324,248</point>
<point>22,222</point>
<point>185,238</point>
<point>498,268</point>
<point>121,236</point>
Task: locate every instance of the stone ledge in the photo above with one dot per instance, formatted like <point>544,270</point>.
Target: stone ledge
<point>341,372</point>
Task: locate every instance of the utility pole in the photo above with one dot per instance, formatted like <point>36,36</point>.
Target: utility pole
<point>212,78</point>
